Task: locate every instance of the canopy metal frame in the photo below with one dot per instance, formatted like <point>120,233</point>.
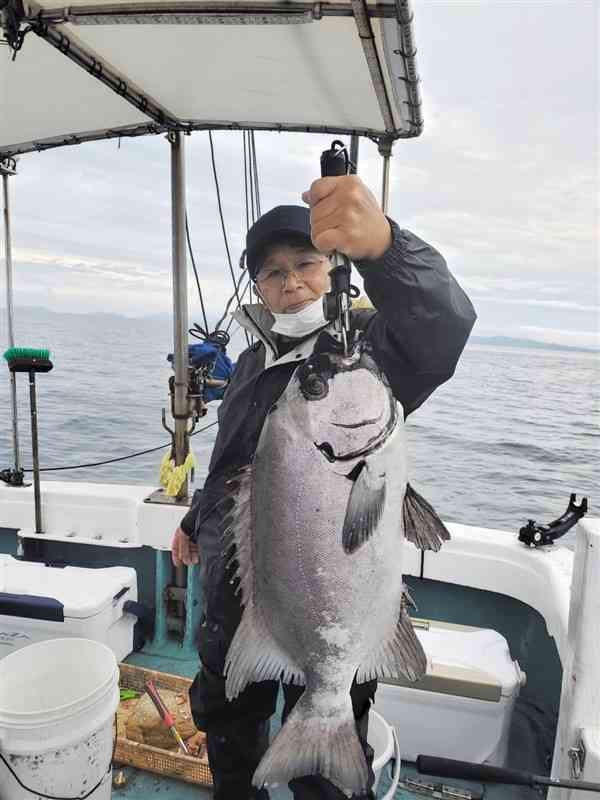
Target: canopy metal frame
<point>19,22</point>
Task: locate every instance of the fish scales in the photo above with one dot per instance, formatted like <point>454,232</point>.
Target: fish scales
<point>319,547</point>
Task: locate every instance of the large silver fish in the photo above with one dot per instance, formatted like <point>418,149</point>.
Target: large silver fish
<point>318,532</point>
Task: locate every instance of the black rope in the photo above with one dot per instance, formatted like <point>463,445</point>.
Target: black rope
<point>251,182</point>
<point>219,338</point>
<point>189,242</point>
<point>214,167</point>
<point>246,287</point>
<point>256,192</point>
<point>255,176</point>
<point>121,458</point>
<point>235,295</point>
<point>246,183</point>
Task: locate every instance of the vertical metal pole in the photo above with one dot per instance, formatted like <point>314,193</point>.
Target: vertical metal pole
<point>180,307</point>
<point>385,192</point>
<point>354,141</point>
<point>385,150</point>
<point>180,319</point>
<point>35,454</point>
<point>9,315</point>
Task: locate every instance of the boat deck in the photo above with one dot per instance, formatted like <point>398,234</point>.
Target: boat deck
<point>146,785</point>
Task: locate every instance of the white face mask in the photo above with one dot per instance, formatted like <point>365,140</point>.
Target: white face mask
<point>300,323</point>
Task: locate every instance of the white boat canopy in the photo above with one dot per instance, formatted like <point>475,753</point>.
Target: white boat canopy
<point>104,69</point>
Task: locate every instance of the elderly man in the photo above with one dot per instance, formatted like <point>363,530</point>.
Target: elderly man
<point>418,329</point>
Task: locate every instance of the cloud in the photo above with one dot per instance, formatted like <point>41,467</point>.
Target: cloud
<point>503,181</point>
<point>532,301</point>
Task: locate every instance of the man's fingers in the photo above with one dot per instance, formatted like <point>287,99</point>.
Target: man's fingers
<point>319,189</point>
<point>183,550</point>
<point>328,241</point>
<point>193,554</point>
<point>177,562</point>
<point>325,208</point>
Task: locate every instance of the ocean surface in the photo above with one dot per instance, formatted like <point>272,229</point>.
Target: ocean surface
<point>508,438</point>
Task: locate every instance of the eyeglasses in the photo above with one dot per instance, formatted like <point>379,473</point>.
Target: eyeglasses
<point>276,277</point>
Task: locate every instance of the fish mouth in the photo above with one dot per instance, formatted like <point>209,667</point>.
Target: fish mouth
<point>360,424</point>
<point>372,444</point>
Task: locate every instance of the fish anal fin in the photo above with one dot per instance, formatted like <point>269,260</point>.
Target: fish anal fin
<point>402,654</point>
<point>422,526</point>
<point>365,506</point>
<point>254,656</point>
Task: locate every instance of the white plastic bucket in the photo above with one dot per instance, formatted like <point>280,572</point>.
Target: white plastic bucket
<point>57,703</point>
<point>382,738</point>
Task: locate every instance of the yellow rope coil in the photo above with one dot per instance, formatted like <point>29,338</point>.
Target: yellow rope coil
<point>171,477</point>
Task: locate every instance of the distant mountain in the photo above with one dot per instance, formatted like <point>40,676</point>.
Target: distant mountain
<point>508,341</point>
<point>100,316</point>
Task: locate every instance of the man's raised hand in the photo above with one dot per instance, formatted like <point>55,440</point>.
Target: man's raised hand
<point>345,216</point>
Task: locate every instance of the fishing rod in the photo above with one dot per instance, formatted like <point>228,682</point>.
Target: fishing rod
<point>484,773</point>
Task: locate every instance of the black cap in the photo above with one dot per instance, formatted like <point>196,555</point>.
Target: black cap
<point>279,221</point>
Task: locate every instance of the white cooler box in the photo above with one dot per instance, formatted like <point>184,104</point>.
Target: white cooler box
<point>39,602</point>
<point>462,708</point>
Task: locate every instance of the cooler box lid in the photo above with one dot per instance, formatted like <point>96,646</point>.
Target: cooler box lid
<point>55,593</point>
<point>466,662</point>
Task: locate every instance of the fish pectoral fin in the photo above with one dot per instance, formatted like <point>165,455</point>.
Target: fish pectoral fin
<point>254,656</point>
<point>400,654</point>
<point>365,506</point>
<point>422,526</point>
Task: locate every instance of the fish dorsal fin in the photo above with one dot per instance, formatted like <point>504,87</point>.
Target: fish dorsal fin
<point>365,506</point>
<point>253,654</point>
<point>399,654</point>
<point>236,532</point>
<point>422,526</point>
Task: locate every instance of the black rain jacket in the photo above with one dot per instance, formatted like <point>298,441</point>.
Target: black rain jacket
<point>419,328</point>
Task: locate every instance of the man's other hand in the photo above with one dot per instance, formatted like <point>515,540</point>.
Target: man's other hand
<point>345,216</point>
<point>183,550</point>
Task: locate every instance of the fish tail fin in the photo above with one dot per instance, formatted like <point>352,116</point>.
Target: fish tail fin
<point>310,744</point>
<point>422,526</point>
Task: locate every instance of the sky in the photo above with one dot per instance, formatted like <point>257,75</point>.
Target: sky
<point>504,182</point>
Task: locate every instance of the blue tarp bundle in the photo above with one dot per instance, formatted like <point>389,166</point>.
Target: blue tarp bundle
<point>209,353</point>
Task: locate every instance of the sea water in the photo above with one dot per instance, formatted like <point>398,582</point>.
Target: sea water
<point>506,439</point>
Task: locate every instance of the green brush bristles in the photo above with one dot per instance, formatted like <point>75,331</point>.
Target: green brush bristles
<point>26,352</point>
<point>28,359</point>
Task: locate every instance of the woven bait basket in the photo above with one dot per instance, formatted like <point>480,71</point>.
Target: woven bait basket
<point>154,759</point>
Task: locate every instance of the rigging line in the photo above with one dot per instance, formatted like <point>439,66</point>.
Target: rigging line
<point>189,242</point>
<point>242,295</point>
<point>214,168</point>
<point>246,182</point>
<point>122,458</point>
<point>250,181</point>
<point>230,301</point>
<point>246,159</point>
<point>255,160</point>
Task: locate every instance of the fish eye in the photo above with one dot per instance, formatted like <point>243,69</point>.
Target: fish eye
<point>314,387</point>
